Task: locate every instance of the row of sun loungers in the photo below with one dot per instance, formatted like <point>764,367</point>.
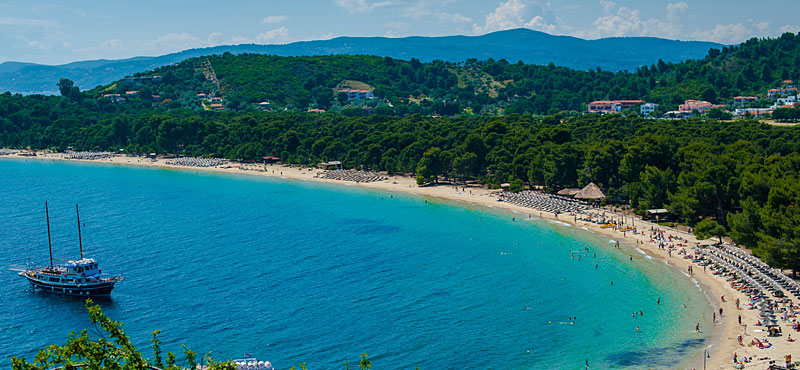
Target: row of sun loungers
<point>749,276</point>
<point>196,162</point>
<point>753,273</point>
<point>352,175</point>
<point>543,201</point>
<point>4,151</point>
<point>88,155</point>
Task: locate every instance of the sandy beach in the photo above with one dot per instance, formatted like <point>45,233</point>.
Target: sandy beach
<point>724,342</point>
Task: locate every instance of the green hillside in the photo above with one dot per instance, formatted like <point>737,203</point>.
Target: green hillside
<point>475,87</point>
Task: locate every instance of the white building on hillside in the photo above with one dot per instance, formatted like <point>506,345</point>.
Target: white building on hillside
<point>647,109</point>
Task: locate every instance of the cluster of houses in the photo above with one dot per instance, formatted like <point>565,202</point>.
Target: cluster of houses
<point>785,97</point>
<point>211,102</point>
<point>123,98</point>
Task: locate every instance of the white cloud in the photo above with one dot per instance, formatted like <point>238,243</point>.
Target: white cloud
<point>360,6</point>
<point>540,24</point>
<point>676,10</point>
<point>276,36</point>
<point>235,40</point>
<point>789,28</point>
<point>608,6</point>
<point>164,44</point>
<point>214,39</point>
<point>273,19</point>
<point>174,42</point>
<point>505,16</point>
<point>725,33</point>
<point>422,10</point>
<point>531,14</point>
<point>34,33</point>
<point>622,23</point>
<point>762,26</point>
<point>27,22</point>
<point>626,22</point>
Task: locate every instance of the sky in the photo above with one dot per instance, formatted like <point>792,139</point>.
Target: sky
<point>58,31</point>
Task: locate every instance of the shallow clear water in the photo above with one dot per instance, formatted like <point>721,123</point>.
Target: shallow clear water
<point>294,271</point>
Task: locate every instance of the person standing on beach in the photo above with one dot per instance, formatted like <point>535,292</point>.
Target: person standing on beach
<point>697,327</point>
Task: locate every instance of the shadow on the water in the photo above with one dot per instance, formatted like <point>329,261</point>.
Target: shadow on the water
<point>375,229</point>
<point>69,300</point>
<point>363,226</point>
<point>355,221</point>
<point>666,357</point>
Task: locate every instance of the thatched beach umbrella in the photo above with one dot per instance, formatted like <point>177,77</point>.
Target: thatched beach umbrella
<point>568,192</point>
<point>591,191</point>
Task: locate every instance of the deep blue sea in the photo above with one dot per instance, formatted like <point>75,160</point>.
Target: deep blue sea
<point>296,272</point>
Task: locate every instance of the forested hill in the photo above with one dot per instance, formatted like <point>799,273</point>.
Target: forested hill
<point>525,45</point>
<point>473,86</point>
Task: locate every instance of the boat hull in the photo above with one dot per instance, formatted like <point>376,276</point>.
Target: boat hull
<point>84,290</point>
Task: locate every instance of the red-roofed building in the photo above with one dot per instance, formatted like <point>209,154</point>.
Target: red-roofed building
<point>264,105</point>
<point>201,96</point>
<point>698,105</point>
<point>745,99</point>
<point>115,98</point>
<point>216,106</point>
<point>612,106</point>
<point>628,103</point>
<point>316,110</point>
<point>780,93</point>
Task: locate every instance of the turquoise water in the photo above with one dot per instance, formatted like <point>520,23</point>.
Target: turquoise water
<point>295,271</point>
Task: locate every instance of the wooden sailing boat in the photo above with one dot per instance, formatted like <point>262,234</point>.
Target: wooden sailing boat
<point>80,278</point>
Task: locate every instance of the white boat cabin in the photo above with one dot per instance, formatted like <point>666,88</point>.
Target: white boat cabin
<point>86,267</point>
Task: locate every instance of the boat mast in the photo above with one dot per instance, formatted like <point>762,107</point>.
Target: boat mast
<point>49,244</point>
<point>80,242</point>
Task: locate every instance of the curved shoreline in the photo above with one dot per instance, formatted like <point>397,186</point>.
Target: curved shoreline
<point>721,342</point>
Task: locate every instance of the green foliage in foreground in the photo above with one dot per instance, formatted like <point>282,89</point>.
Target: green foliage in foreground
<point>112,352</point>
<point>117,353</point>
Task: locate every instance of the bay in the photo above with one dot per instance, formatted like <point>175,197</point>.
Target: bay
<point>298,271</point>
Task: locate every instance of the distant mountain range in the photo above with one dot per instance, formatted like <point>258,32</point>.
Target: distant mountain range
<point>528,46</point>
